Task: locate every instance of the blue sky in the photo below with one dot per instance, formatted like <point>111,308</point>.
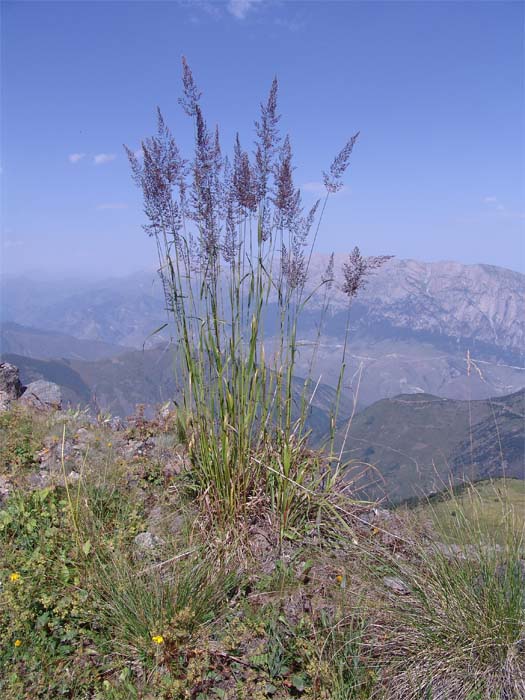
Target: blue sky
<point>435,88</point>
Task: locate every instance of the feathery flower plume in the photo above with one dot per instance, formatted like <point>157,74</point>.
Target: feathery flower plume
<point>356,270</point>
<point>206,191</point>
<point>294,264</point>
<point>285,199</point>
<point>161,171</point>
<point>230,242</point>
<point>332,180</point>
<point>327,278</point>
<point>191,95</point>
<point>267,142</point>
<point>308,222</point>
<point>243,179</point>
<point>293,267</point>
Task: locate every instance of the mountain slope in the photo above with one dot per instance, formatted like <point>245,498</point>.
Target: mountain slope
<point>416,443</point>
<point>41,344</point>
<point>482,305</point>
<point>411,328</point>
<point>118,384</point>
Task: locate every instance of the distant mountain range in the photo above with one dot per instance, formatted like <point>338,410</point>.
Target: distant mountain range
<point>410,328</point>
<point>481,307</point>
<point>37,343</point>
<point>435,358</point>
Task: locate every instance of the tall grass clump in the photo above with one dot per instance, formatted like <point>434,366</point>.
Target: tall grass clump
<point>234,246</point>
<point>460,630</point>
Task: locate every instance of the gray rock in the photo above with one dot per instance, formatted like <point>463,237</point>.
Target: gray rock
<point>147,542</point>
<point>396,585</point>
<point>5,488</point>
<point>10,385</point>
<point>43,395</point>
<point>39,480</point>
<point>116,423</point>
<point>466,552</point>
<point>159,520</point>
<point>167,410</point>
<point>174,467</point>
<point>134,448</point>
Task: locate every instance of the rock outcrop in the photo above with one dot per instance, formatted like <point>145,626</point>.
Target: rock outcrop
<point>10,385</point>
<point>42,395</point>
<point>477,303</point>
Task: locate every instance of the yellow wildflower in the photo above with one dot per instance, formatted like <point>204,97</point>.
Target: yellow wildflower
<point>14,576</point>
<point>158,639</point>
<point>339,579</point>
<point>376,531</point>
<point>110,444</point>
<point>18,643</point>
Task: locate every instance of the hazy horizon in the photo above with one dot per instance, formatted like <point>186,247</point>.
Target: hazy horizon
<point>88,276</point>
<point>436,90</point>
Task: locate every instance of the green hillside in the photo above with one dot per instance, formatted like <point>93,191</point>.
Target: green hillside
<point>413,445</point>
<point>491,507</point>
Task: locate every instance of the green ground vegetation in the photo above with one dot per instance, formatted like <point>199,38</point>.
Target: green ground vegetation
<point>344,607</point>
<point>481,511</point>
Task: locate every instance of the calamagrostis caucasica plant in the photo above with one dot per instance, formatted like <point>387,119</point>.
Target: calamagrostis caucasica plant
<point>232,235</point>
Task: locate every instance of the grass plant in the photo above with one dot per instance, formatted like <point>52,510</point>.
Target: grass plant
<point>460,630</point>
<point>234,245</point>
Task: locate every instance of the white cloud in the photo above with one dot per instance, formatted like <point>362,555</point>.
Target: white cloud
<point>315,187</point>
<point>112,205</point>
<point>102,158</point>
<point>75,157</point>
<point>319,189</point>
<point>495,206</point>
<point>240,8</point>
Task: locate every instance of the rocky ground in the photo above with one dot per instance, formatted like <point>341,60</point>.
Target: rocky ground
<point>118,582</point>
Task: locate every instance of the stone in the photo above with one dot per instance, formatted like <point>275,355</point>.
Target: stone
<point>166,411</point>
<point>5,487</point>
<point>396,585</point>
<point>134,448</point>
<point>38,480</point>
<point>161,520</point>
<point>10,385</point>
<point>116,423</point>
<point>174,467</point>
<point>147,542</point>
<point>42,395</point>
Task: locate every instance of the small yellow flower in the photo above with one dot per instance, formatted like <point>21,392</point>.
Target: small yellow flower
<point>339,579</point>
<point>18,643</point>
<point>14,576</point>
<point>157,639</point>
<point>376,531</point>
<point>110,444</point>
